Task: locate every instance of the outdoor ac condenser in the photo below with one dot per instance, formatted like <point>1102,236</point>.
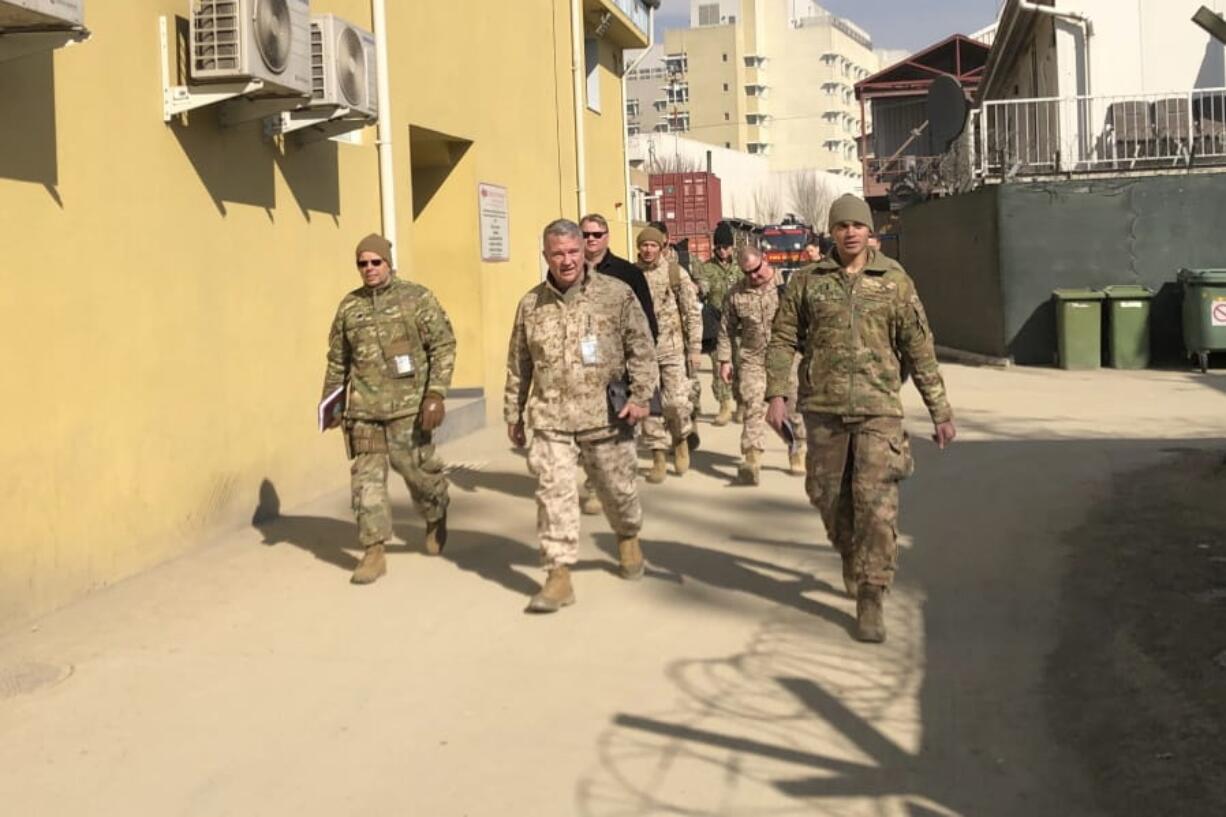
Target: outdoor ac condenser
<point>41,15</point>
<point>343,66</point>
<point>239,40</point>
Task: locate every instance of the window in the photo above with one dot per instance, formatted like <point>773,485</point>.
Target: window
<point>591,53</point>
<point>708,14</point>
<point>632,107</point>
<point>727,116</point>
<point>727,144</point>
<point>725,58</point>
<point>632,130</point>
<point>725,87</point>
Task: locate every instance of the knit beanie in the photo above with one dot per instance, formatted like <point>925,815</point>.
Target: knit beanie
<point>850,207</point>
<point>377,244</point>
<point>651,234</point>
<point>723,235</point>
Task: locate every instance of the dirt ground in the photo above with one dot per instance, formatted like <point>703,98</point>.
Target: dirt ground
<point>1137,684</point>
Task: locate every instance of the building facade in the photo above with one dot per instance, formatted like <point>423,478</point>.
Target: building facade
<point>177,279</point>
<point>772,78</point>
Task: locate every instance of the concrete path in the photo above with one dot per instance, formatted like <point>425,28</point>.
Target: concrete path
<point>251,679</point>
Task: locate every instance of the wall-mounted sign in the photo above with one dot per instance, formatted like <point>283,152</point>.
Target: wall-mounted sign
<point>495,222</point>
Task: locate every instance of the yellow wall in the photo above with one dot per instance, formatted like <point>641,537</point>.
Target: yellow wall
<point>168,289</point>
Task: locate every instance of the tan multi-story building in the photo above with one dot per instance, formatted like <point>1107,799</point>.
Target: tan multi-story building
<point>769,77</point>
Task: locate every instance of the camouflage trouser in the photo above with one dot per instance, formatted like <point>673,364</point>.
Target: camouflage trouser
<point>675,388</point>
<point>554,458</point>
<point>851,476</point>
<point>411,452</point>
<point>751,388</point>
<point>721,390</point>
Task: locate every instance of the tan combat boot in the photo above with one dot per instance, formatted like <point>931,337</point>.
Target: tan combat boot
<point>630,558</point>
<point>747,473</point>
<point>556,594</point>
<point>436,535</point>
<point>870,619</point>
<point>372,566</point>
<point>738,416</point>
<point>796,462</point>
<point>591,505</point>
<point>681,457</point>
<point>725,414</point>
<point>659,468</point>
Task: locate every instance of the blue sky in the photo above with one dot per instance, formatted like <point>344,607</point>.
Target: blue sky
<point>909,24</point>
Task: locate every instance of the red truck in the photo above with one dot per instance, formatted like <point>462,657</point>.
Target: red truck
<point>691,204</point>
<point>783,246</point>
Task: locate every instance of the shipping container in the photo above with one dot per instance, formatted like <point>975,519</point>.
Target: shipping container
<point>689,203</point>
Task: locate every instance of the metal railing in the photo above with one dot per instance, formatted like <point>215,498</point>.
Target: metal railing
<point>1082,134</point>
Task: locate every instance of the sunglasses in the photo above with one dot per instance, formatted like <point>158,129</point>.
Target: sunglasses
<point>595,234</point>
<point>374,262</point>
<point>754,270</point>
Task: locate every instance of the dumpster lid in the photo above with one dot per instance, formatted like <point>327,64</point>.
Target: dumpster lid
<point>1202,276</point>
<point>1128,291</point>
<point>1077,295</point>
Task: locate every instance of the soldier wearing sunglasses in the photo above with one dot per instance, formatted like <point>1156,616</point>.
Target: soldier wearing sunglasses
<point>393,349</point>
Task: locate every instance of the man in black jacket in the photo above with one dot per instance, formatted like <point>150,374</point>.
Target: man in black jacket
<point>598,256</point>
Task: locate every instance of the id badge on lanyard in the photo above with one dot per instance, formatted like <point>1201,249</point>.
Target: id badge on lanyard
<point>589,349</point>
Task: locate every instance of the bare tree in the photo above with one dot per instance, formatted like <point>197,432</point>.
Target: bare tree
<point>812,194</point>
<point>768,204</point>
<point>672,163</point>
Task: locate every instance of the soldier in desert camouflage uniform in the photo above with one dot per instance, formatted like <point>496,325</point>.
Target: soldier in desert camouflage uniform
<point>678,352</point>
<point>746,327</point>
<point>714,279</point>
<point>861,324</point>
<point>575,334</point>
<point>392,343</point>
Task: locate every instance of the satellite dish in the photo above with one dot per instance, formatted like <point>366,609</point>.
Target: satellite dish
<point>273,33</point>
<point>1212,22</point>
<point>350,66</point>
<point>947,110</point>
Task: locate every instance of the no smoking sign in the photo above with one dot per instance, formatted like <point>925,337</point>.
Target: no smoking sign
<point>1218,312</point>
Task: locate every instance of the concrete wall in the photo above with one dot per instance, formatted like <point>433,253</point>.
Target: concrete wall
<point>986,262</point>
<point>168,288</point>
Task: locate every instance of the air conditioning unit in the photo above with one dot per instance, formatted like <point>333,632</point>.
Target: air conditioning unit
<point>41,15</point>
<point>242,40</point>
<point>343,66</point>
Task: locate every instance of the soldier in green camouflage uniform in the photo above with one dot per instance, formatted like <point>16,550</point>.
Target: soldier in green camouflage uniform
<point>714,279</point>
<point>861,324</point>
<point>576,333</point>
<point>393,346</point>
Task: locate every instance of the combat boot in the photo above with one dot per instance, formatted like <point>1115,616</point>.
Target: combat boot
<point>591,505</point>
<point>630,558</point>
<point>796,462</point>
<point>725,414</point>
<point>659,468</point>
<point>556,594</point>
<point>372,566</point>
<point>681,457</point>
<point>738,416</point>
<point>436,535</point>
<point>870,619</point>
<point>849,577</point>
<point>747,473</point>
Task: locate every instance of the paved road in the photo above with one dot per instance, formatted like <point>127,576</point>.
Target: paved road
<point>250,678</point>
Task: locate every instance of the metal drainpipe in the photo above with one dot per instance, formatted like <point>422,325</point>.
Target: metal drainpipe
<point>384,138</point>
<point>651,41</point>
<point>578,66</point>
<point>1087,30</point>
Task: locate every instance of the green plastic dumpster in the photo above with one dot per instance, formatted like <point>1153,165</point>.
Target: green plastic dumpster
<point>1128,326</point>
<point>1079,326</point>
<point>1204,313</point>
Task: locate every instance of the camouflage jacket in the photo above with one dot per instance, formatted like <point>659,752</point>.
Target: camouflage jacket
<point>549,384</point>
<point>858,331</point>
<point>714,279</point>
<point>746,322</point>
<point>373,332</point>
<point>678,312</point>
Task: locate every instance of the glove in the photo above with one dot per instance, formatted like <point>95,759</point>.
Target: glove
<point>432,412</point>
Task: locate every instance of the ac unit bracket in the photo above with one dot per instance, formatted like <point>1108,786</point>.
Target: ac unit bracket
<point>314,124</point>
<point>23,42</point>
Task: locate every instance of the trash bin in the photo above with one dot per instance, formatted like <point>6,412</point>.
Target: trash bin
<point>1128,326</point>
<point>1079,326</point>
<point>1204,313</point>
